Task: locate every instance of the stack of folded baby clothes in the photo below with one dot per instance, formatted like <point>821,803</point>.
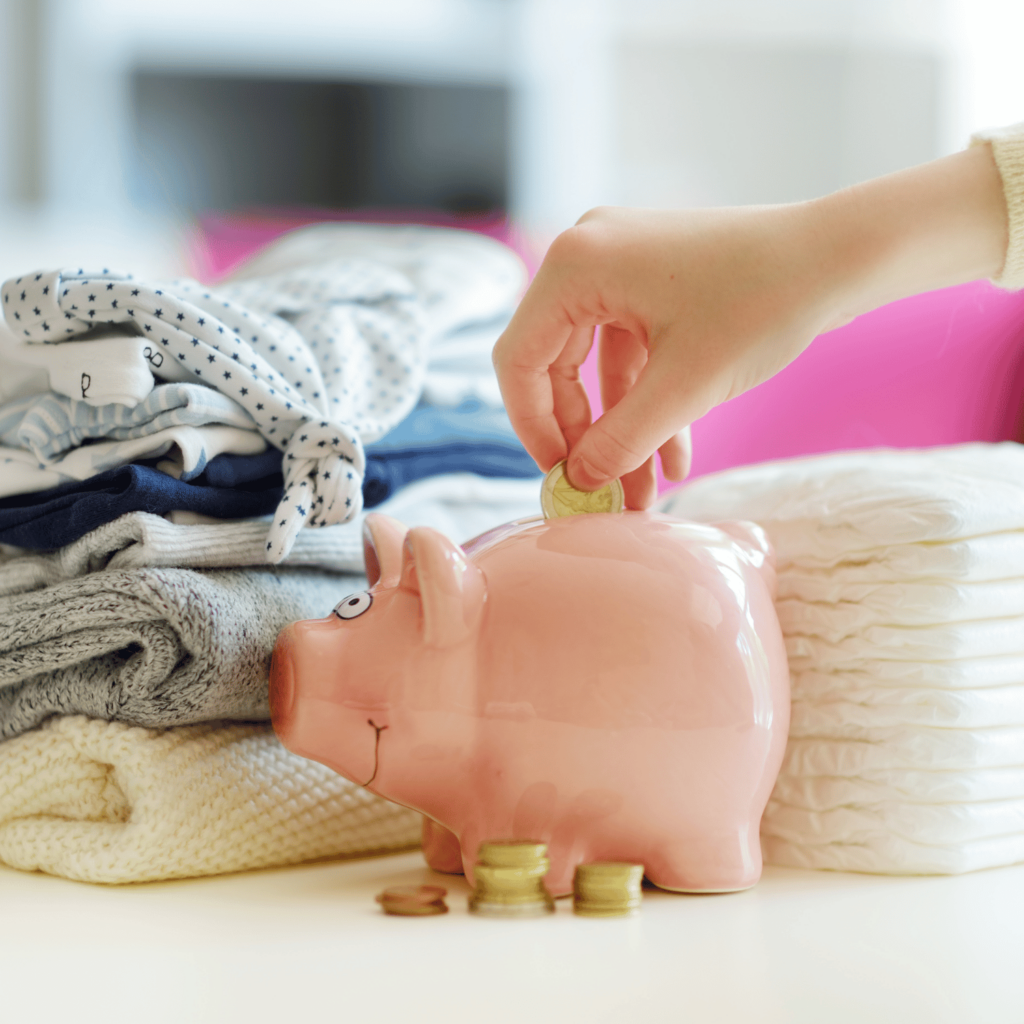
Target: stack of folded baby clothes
<point>152,528</point>
<point>901,596</point>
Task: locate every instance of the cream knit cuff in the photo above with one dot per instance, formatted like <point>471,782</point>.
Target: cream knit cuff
<point>1008,150</point>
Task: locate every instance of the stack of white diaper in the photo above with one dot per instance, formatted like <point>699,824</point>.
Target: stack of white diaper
<point>901,596</point>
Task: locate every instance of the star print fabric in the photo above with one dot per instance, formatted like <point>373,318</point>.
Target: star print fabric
<point>260,361</point>
<point>368,357</point>
<point>466,286</point>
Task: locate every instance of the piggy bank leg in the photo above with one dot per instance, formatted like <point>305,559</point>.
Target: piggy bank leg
<point>565,851</point>
<point>558,881</point>
<point>441,848</point>
<point>726,863</point>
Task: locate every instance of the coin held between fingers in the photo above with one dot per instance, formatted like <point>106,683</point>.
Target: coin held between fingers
<point>558,497</point>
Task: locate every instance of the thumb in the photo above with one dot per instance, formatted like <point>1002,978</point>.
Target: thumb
<point>628,434</point>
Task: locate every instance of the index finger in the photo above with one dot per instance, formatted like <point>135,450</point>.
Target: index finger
<point>537,339</point>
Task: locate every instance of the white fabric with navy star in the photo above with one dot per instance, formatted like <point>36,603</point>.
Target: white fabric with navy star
<point>317,412</point>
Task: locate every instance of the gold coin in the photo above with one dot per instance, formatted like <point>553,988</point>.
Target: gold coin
<point>606,888</point>
<point>413,900</point>
<point>559,498</point>
<point>509,879</point>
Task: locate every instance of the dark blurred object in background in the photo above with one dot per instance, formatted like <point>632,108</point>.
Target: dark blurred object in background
<point>225,142</point>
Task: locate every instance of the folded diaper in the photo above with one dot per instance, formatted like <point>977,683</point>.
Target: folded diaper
<point>903,785</point>
<point>850,609</point>
<point>901,597</point>
<point>964,674</point>
<point>897,821</point>
<point>998,556</point>
<point>941,825</point>
<point>952,641</point>
<point>850,707</point>
<point>155,647</point>
<point>911,748</point>
<point>879,851</point>
<point>106,802</point>
<point>824,510</point>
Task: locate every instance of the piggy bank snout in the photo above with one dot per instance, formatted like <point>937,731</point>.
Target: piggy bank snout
<point>315,712</point>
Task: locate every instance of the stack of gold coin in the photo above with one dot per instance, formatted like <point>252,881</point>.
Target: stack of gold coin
<point>606,888</point>
<point>413,900</point>
<point>509,880</point>
<point>559,498</point>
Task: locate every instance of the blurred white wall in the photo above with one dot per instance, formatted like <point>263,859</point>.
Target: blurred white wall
<point>646,102</point>
<point>721,104</point>
<point>703,102</point>
<point>564,79</point>
<point>987,64</point>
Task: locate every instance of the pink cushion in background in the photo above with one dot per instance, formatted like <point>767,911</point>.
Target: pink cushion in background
<point>934,369</point>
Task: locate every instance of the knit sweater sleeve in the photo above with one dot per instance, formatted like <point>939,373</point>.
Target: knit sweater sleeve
<point>1008,150</point>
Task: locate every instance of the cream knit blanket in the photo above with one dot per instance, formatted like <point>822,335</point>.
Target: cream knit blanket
<point>105,802</point>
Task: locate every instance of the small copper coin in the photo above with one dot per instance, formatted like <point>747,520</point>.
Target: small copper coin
<point>559,498</point>
<point>413,900</point>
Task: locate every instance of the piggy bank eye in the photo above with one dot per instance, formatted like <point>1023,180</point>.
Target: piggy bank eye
<point>353,606</point>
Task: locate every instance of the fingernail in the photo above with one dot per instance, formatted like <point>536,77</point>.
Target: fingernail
<point>583,476</point>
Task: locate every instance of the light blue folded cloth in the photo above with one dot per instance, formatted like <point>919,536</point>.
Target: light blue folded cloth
<point>51,425</point>
<point>434,440</point>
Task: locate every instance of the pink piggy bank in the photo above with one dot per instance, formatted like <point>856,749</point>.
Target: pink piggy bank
<point>614,685</point>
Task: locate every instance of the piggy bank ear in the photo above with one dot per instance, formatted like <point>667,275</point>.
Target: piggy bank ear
<point>382,549</point>
<point>756,546</point>
<point>452,590</point>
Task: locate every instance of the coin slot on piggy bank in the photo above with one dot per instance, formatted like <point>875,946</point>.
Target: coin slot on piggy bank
<point>612,685</point>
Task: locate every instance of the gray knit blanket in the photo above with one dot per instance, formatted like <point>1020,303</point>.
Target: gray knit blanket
<point>152,647</point>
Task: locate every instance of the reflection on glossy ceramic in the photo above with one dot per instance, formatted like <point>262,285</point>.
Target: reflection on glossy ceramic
<point>612,685</point>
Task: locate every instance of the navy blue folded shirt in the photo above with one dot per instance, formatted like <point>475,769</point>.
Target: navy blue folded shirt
<point>51,519</point>
<point>470,438</point>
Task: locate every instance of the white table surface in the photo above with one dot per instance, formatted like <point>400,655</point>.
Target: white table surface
<point>310,944</point>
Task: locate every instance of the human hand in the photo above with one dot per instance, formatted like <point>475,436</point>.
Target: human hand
<point>694,307</point>
<point>697,306</point>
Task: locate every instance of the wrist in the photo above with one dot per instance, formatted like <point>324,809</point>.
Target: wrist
<point>932,226</point>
